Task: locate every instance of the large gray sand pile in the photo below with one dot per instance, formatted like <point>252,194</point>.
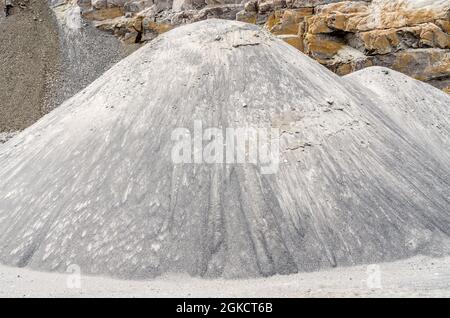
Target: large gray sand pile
<point>93,183</point>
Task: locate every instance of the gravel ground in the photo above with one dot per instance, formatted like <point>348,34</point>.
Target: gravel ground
<point>415,277</point>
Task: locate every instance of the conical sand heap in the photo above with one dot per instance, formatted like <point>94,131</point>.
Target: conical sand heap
<point>362,174</point>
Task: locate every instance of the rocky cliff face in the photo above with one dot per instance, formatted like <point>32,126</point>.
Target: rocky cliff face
<point>411,36</point>
<point>28,57</point>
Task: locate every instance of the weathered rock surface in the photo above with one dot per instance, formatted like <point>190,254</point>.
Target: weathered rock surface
<point>405,35</point>
<point>93,182</point>
<point>408,36</point>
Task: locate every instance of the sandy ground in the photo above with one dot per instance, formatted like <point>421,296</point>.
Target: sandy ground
<point>416,277</point>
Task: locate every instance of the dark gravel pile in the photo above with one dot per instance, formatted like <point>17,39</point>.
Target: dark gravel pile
<point>29,54</point>
<point>43,63</point>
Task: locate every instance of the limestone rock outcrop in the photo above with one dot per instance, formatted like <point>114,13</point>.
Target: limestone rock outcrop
<point>411,36</point>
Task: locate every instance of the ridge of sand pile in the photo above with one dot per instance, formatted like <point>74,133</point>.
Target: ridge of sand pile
<point>413,105</point>
<point>93,183</point>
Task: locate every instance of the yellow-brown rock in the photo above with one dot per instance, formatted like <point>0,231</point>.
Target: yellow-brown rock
<point>322,46</point>
<point>391,40</point>
<point>158,27</point>
<point>293,40</point>
<point>287,21</point>
<point>317,25</point>
<point>422,64</point>
<point>411,37</point>
<point>103,14</point>
<point>444,25</point>
<point>356,16</point>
